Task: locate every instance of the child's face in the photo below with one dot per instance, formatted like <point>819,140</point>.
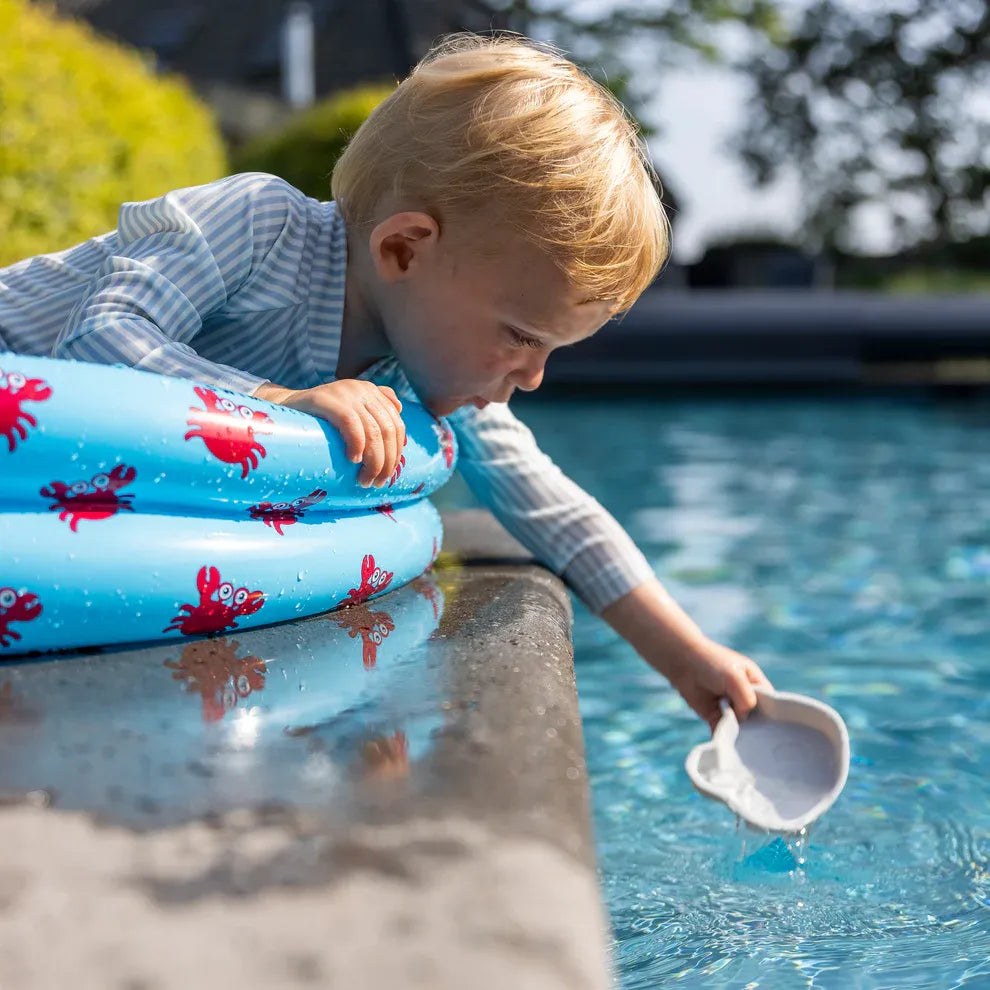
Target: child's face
<point>471,327</point>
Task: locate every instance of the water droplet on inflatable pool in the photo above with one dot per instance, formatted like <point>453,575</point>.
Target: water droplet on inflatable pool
<point>73,456</point>
<point>300,575</point>
<point>72,556</point>
<point>156,480</point>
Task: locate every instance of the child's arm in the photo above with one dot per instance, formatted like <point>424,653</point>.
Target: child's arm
<point>665,636</point>
<point>576,537</point>
<point>178,259</point>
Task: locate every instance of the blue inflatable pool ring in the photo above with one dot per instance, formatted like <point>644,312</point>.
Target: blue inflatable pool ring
<point>135,506</point>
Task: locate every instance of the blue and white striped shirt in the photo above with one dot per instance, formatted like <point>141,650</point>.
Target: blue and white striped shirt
<point>241,281</point>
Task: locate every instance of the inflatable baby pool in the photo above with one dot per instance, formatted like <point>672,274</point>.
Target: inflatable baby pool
<point>136,507</point>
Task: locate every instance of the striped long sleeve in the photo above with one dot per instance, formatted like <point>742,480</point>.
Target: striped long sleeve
<point>565,527</point>
<point>177,260</point>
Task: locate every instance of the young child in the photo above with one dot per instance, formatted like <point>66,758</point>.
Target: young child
<point>497,205</point>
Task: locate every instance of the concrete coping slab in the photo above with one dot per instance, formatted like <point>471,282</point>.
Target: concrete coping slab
<point>389,795</point>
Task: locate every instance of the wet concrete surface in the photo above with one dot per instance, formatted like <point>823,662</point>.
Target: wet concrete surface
<point>404,779</point>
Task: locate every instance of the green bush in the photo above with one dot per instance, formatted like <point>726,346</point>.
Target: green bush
<point>305,150</point>
<point>84,126</point>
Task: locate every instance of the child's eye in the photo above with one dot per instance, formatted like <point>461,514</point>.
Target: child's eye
<point>521,339</point>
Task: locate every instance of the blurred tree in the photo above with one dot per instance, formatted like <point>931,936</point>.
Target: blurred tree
<point>623,43</point>
<point>305,150</point>
<point>875,105</point>
<point>85,125</point>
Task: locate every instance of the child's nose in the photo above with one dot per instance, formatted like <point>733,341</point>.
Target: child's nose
<point>530,378</point>
<point>530,375</point>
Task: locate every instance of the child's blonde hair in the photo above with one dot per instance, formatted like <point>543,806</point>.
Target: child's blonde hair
<point>501,123</point>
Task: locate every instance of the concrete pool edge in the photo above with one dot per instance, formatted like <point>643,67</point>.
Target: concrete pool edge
<point>477,871</point>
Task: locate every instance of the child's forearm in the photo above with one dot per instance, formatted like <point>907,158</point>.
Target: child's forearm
<point>272,392</point>
<point>656,627</point>
<point>702,670</point>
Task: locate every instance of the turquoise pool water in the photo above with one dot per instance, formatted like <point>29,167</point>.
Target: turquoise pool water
<point>845,545</point>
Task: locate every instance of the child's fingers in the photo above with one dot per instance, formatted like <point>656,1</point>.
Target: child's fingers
<point>351,428</point>
<point>374,448</point>
<point>390,442</point>
<point>739,688</point>
<point>389,393</point>
<point>756,676</point>
<point>395,431</point>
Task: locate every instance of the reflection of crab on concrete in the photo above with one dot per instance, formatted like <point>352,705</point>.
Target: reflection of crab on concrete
<point>15,389</point>
<point>16,606</point>
<point>215,614</point>
<point>427,589</point>
<point>387,757</point>
<point>373,580</point>
<point>446,438</point>
<point>228,429</point>
<point>212,669</point>
<point>94,499</point>
<point>373,627</point>
<point>281,514</point>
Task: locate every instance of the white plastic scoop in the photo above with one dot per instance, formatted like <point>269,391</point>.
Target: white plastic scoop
<point>782,768</point>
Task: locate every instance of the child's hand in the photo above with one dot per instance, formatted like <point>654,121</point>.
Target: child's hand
<point>366,415</point>
<point>710,672</point>
<point>701,670</point>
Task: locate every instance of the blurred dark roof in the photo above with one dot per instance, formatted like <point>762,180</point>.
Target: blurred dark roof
<point>217,42</point>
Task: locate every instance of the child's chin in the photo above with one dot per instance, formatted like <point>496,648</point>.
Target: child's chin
<point>444,407</point>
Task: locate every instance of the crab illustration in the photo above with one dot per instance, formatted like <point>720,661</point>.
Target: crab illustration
<point>215,614</point>
<point>387,510</point>
<point>93,499</point>
<point>446,438</point>
<point>373,580</point>
<point>228,429</point>
<point>282,514</point>
<point>212,669</point>
<point>16,606</point>
<point>418,489</point>
<point>373,627</point>
<point>16,389</point>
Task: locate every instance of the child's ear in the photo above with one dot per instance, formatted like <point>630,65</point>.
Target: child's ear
<point>402,241</point>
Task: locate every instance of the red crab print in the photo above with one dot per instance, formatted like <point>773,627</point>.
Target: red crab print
<point>212,669</point>
<point>15,389</point>
<point>282,514</point>
<point>387,510</point>
<point>94,499</point>
<point>418,489</point>
<point>214,614</point>
<point>373,628</point>
<point>446,438</point>
<point>373,580</point>
<point>228,429</point>
<point>16,606</point>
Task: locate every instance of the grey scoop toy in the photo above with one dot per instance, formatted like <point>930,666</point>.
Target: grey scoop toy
<point>781,768</point>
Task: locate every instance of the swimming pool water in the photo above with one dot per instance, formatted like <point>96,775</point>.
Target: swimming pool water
<point>844,545</point>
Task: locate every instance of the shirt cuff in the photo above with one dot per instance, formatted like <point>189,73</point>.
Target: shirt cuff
<point>600,574</point>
